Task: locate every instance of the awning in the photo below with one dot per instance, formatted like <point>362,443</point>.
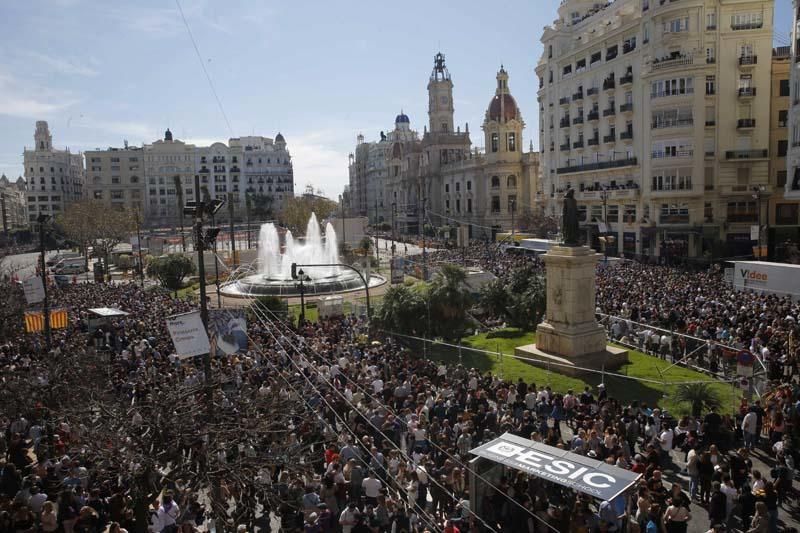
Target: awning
<point>577,472</point>
<point>107,312</point>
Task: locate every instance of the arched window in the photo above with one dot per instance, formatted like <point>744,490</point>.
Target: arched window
<point>495,182</point>
<point>512,182</point>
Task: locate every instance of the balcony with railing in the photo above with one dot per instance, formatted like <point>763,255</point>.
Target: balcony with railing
<point>598,165</point>
<point>747,92</point>
<point>564,147</point>
<point>678,154</point>
<point>609,84</point>
<point>671,62</point>
<point>672,123</point>
<point>626,135</point>
<point>609,138</point>
<point>748,61</point>
<point>745,123</point>
<point>564,122</point>
<point>681,218</point>
<point>756,25</point>
<point>742,217</point>
<point>578,120</point>
<point>747,154</point>
<point>593,115</point>
<point>578,96</point>
<point>627,79</point>
<point>592,91</point>
<point>626,108</point>
<point>609,112</point>
<point>563,101</point>
<point>578,144</point>
<point>594,141</point>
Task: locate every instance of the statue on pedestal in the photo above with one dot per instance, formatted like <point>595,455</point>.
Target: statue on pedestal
<point>570,229</point>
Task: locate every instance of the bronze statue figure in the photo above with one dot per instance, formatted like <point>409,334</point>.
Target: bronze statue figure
<point>569,224</point>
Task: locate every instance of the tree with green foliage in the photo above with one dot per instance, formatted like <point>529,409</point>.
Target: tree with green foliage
<point>449,300</point>
<point>171,270</point>
<point>700,396</point>
<point>521,301</point>
<point>400,311</point>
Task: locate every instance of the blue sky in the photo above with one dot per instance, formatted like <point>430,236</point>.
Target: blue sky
<point>318,71</point>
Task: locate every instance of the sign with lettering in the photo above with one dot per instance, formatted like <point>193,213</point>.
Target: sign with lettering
<point>188,334</point>
<point>34,290</point>
<point>595,478</point>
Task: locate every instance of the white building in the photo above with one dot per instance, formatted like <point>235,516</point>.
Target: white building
<point>54,177</point>
<point>13,203</point>
<point>649,110</point>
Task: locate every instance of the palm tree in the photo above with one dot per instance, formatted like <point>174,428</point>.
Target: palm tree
<point>700,395</point>
<point>449,301</point>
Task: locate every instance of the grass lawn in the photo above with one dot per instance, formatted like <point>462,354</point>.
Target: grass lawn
<point>626,390</point>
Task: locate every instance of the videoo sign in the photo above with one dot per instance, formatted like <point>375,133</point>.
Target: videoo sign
<point>577,472</point>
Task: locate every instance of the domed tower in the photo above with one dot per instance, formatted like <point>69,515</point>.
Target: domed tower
<point>280,142</point>
<point>402,122</point>
<point>503,124</point>
<point>440,97</point>
<point>44,141</point>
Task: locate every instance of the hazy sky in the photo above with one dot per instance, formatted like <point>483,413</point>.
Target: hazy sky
<point>318,71</point>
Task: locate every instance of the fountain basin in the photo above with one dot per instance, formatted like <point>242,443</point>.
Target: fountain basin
<point>260,285</point>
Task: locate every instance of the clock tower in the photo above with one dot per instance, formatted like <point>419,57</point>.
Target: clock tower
<point>440,97</point>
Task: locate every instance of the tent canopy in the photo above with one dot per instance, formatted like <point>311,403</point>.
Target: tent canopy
<point>592,477</point>
<point>106,312</point>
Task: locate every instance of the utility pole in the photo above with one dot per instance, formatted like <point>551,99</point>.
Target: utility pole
<point>5,220</point>
<point>247,202</point>
<point>424,249</point>
<point>758,193</point>
<point>179,190</point>
<point>233,234</point>
<point>604,197</point>
<point>48,337</point>
<point>344,221</point>
<point>139,244</point>
<point>394,211</point>
<point>513,209</point>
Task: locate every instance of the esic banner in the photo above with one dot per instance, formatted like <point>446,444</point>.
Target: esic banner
<point>577,472</point>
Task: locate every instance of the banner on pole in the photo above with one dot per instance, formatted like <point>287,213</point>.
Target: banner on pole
<point>188,334</point>
<point>228,331</point>
<point>34,290</point>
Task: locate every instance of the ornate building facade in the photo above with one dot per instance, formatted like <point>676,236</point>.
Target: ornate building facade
<point>54,177</point>
<point>440,179</point>
<point>657,113</point>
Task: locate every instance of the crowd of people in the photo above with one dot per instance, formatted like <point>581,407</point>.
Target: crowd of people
<point>384,437</point>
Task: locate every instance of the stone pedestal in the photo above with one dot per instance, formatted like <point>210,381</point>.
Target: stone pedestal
<point>570,335</point>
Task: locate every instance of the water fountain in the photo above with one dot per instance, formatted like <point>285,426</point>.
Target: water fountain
<point>274,265</point>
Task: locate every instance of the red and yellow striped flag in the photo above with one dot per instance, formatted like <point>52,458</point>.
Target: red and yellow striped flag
<point>34,320</point>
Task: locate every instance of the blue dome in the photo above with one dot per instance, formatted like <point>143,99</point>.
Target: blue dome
<point>402,118</point>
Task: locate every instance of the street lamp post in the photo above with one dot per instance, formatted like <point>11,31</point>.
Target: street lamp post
<point>139,244</point>
<point>232,231</point>
<point>297,273</point>
<point>391,266</point>
<point>48,337</point>
<point>513,209</point>
<point>302,279</point>
<point>758,194</point>
<point>604,197</point>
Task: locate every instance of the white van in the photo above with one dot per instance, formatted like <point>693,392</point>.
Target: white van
<point>71,267</point>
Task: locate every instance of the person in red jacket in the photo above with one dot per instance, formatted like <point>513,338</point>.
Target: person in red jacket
<point>449,527</point>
